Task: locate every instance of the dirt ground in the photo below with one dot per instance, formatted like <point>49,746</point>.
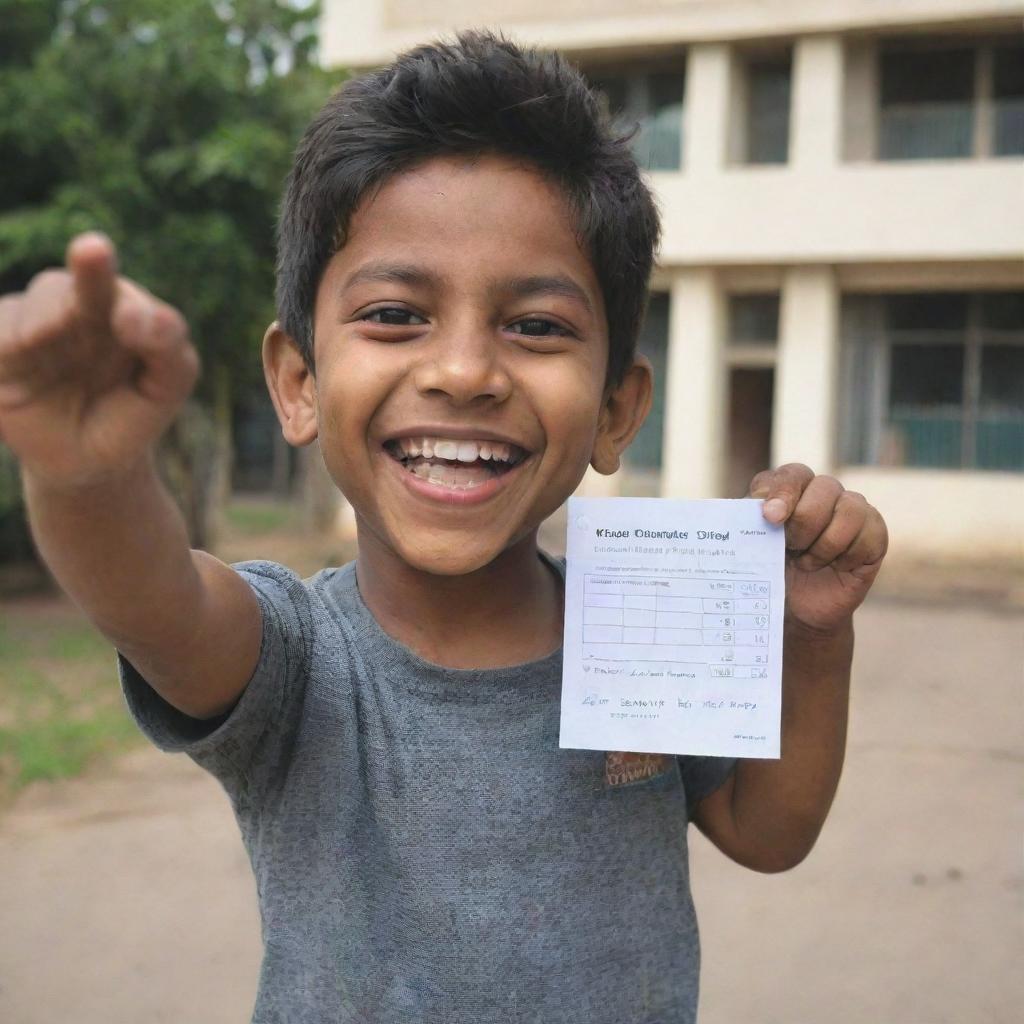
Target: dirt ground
<point>126,896</point>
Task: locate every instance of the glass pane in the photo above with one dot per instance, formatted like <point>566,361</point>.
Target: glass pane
<point>927,76</point>
<point>1008,99</point>
<point>754,319</point>
<point>1000,430</point>
<point>664,122</point>
<point>927,311</point>
<point>1002,379</point>
<point>927,104</point>
<point>925,399</point>
<point>613,91</point>
<point>645,451</point>
<point>768,112</point>
<point>925,441</point>
<point>1008,71</point>
<point>863,368</point>
<point>1009,128</point>
<point>926,376</point>
<point>652,105</point>
<point>936,131</point>
<point>999,444</point>
<point>1002,311</point>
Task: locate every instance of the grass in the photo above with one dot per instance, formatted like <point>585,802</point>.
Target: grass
<point>61,709</point>
<point>254,517</point>
<point>60,703</point>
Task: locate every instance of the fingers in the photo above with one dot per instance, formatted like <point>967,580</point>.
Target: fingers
<point>92,263</point>
<point>825,523</point>
<point>45,311</point>
<point>781,488</point>
<point>849,515</point>
<point>813,513</point>
<point>170,364</point>
<point>864,556</point>
<point>10,310</point>
<point>87,324</point>
<point>795,496</point>
<point>83,294</point>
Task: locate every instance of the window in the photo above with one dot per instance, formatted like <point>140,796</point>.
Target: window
<point>767,109</point>
<point>1008,99</point>
<point>651,102</point>
<point>927,104</point>
<point>934,380</point>
<point>754,319</point>
<point>951,100</point>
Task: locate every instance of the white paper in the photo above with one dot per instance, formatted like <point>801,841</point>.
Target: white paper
<point>673,627</point>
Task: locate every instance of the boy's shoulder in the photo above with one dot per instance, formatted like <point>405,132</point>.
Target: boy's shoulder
<point>330,596</point>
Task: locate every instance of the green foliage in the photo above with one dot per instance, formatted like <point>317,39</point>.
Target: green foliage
<point>253,519</point>
<point>170,125</point>
<point>61,748</point>
<point>60,709</point>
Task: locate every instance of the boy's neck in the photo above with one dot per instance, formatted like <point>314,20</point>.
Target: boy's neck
<point>506,613</point>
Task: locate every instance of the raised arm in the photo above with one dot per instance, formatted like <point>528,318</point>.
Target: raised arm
<point>768,814</point>
<point>93,369</point>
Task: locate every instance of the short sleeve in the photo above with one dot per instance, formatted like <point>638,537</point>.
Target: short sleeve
<point>245,747</point>
<point>702,776</point>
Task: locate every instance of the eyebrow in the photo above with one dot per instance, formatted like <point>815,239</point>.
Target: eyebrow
<point>389,273</point>
<point>518,287</point>
<point>548,284</point>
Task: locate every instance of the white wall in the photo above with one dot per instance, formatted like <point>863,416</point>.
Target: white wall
<point>855,213</point>
<point>946,515</point>
<point>362,33</point>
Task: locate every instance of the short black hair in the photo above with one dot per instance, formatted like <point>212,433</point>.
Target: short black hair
<point>480,94</point>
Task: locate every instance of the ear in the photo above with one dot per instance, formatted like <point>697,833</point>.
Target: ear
<point>625,408</point>
<point>292,386</point>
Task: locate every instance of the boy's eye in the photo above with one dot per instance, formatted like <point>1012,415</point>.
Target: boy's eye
<point>535,327</point>
<point>392,316</point>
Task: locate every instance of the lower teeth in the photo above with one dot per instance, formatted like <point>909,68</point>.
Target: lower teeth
<point>456,478</point>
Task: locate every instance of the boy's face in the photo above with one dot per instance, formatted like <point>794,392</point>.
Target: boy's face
<point>461,349</point>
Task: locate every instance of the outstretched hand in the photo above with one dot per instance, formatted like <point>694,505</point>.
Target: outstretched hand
<point>93,368</point>
<point>835,543</point>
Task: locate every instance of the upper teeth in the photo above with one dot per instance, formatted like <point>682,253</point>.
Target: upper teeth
<point>453,450</point>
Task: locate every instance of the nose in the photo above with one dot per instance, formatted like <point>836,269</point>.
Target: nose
<point>464,365</point>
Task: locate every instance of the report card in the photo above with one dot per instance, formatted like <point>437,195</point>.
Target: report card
<point>673,627</point>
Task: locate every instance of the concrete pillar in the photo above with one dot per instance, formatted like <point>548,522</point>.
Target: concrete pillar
<point>804,414</point>
<point>817,114</point>
<point>708,87</point>
<point>695,413</point>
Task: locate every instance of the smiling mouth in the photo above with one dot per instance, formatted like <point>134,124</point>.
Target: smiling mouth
<point>456,464</point>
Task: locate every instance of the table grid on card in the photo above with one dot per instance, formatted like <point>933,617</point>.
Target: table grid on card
<point>723,624</point>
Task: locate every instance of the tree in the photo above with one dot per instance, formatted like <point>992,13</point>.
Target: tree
<point>170,125</point>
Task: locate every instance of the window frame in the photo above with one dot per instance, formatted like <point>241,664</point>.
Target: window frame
<point>867,360</point>
<point>982,102</point>
<point>765,58</point>
<point>636,78</point>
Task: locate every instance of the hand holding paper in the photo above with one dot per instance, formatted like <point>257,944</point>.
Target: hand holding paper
<point>673,627</point>
<point>828,544</point>
<point>835,543</point>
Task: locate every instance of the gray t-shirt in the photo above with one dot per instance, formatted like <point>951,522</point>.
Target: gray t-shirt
<point>424,852</point>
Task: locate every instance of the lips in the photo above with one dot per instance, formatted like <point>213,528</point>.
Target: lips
<point>455,463</point>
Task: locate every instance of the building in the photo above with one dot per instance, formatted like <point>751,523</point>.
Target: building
<point>841,280</point>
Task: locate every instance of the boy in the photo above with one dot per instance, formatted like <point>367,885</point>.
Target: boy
<point>464,255</point>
